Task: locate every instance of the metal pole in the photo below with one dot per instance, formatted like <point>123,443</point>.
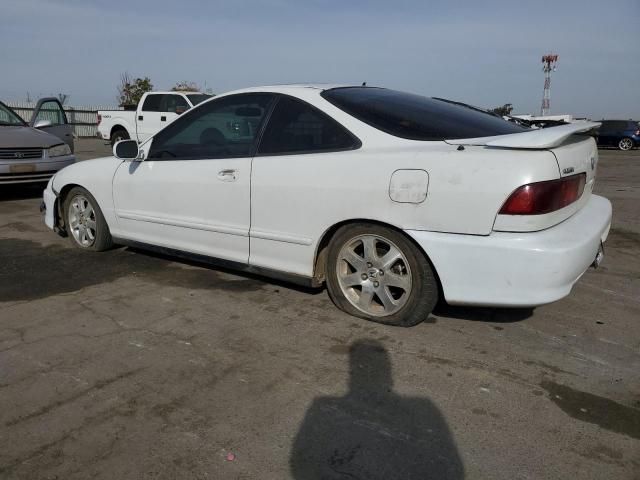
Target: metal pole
<point>548,66</point>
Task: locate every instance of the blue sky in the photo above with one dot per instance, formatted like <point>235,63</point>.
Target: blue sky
<point>485,53</point>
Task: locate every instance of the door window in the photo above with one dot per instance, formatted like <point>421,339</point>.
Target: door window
<point>227,127</point>
<point>152,103</point>
<point>51,111</point>
<point>297,127</point>
<point>171,103</point>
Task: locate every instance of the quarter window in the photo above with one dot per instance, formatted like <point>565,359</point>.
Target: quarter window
<point>226,127</point>
<point>297,127</point>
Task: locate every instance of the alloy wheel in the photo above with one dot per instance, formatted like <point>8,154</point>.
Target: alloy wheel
<point>374,275</point>
<point>625,144</point>
<point>82,221</point>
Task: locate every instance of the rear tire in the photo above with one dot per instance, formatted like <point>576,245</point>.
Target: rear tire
<point>625,144</point>
<point>377,273</point>
<point>84,221</point>
<point>118,135</point>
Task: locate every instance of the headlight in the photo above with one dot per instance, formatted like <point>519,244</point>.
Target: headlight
<point>59,150</point>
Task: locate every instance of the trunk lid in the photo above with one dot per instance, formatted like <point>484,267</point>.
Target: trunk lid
<point>579,154</point>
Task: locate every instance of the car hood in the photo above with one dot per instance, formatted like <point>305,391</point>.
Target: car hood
<point>26,137</point>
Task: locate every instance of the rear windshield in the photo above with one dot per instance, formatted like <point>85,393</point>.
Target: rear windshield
<point>197,98</point>
<point>415,117</point>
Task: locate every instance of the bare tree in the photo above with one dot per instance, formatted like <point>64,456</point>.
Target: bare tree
<point>130,91</point>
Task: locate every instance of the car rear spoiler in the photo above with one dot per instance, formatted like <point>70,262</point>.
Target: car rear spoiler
<point>534,139</point>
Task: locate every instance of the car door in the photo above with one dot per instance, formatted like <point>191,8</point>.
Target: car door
<point>50,110</point>
<point>148,116</point>
<point>615,132</point>
<point>171,107</point>
<point>192,192</point>
<point>303,159</point>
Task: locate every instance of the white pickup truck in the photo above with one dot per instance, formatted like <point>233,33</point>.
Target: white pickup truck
<point>154,111</point>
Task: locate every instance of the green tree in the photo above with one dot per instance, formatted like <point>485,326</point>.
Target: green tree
<point>505,109</point>
<point>184,86</point>
<point>130,90</point>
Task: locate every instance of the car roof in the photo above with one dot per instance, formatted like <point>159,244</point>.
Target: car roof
<point>289,88</point>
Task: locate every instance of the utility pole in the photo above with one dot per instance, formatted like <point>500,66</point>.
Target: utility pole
<point>548,65</point>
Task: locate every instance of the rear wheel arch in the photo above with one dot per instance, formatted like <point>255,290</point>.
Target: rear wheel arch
<point>119,129</point>
<point>322,249</point>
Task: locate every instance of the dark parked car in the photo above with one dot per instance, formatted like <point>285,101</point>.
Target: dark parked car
<point>623,134</point>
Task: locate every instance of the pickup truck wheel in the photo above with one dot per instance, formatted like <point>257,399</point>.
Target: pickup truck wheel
<point>118,135</point>
<point>625,144</point>
<point>376,273</point>
<point>84,221</point>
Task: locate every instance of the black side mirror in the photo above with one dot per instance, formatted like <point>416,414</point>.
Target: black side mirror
<point>126,150</point>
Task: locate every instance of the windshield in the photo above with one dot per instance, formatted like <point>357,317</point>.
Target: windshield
<point>197,98</point>
<point>9,117</point>
<point>415,117</point>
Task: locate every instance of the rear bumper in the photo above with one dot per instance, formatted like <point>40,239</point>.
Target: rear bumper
<point>102,135</point>
<point>42,170</point>
<point>518,269</point>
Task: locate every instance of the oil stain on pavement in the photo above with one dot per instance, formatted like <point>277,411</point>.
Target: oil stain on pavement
<point>30,271</point>
<point>591,408</point>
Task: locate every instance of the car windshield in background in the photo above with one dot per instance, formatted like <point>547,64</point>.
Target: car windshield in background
<point>198,98</point>
<point>9,117</point>
<point>415,117</point>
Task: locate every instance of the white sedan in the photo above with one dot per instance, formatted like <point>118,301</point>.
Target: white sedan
<point>393,200</point>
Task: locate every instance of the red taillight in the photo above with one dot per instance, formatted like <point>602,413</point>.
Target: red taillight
<point>99,119</point>
<point>544,197</point>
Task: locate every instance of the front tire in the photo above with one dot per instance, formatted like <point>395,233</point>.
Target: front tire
<point>377,273</point>
<point>85,222</point>
<point>625,144</point>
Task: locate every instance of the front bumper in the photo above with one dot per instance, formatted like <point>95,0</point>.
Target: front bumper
<point>518,269</point>
<point>48,207</point>
<point>35,171</point>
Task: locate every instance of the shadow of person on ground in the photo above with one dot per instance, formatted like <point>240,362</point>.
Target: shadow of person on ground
<point>372,432</point>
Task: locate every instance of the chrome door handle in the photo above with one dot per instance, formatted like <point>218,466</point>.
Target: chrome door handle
<point>228,175</point>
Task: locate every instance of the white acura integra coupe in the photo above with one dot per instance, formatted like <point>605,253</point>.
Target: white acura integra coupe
<point>392,199</point>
